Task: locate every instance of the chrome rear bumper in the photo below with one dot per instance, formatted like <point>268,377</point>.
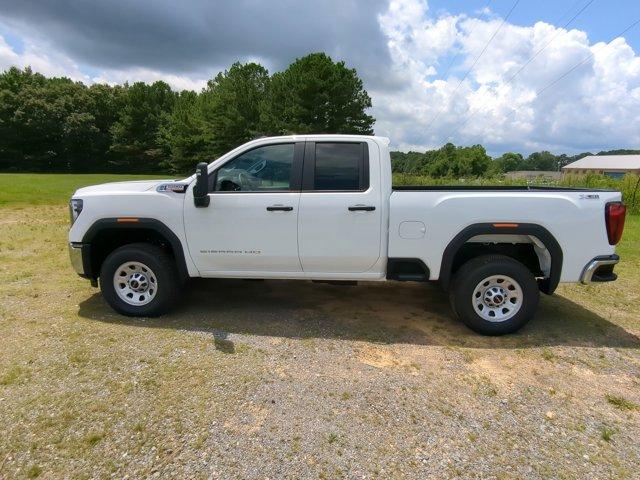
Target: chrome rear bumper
<point>600,269</point>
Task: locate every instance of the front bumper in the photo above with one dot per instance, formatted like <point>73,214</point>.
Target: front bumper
<point>80,259</point>
<point>600,269</point>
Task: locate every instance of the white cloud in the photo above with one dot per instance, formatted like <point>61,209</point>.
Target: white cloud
<point>177,82</point>
<point>7,56</point>
<point>596,106</point>
<point>46,60</point>
<point>41,58</point>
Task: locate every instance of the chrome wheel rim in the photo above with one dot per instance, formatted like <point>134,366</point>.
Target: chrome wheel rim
<point>135,283</point>
<point>497,298</point>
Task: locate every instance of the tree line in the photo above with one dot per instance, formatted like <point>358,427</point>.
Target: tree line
<point>58,125</point>
<point>457,162</point>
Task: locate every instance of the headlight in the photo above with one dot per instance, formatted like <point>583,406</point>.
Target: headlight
<point>75,208</point>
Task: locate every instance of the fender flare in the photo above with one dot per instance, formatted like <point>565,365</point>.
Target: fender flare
<point>547,285</point>
<point>140,223</point>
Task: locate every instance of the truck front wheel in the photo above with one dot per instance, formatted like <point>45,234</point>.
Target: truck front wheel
<point>139,280</point>
<point>494,294</point>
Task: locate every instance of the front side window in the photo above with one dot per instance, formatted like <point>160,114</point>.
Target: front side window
<point>338,166</point>
<point>262,169</point>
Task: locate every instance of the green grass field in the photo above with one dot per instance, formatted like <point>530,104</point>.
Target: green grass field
<point>291,376</point>
<point>51,189</point>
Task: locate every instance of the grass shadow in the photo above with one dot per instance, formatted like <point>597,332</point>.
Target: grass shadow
<point>374,312</point>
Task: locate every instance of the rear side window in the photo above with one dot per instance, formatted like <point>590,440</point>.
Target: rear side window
<point>340,167</point>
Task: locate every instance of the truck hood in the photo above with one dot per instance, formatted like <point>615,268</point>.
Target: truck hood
<point>124,187</point>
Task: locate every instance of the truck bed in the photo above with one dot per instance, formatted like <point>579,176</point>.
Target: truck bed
<point>424,219</point>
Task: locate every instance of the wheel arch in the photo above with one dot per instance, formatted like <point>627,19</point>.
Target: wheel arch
<point>107,234</point>
<point>547,285</point>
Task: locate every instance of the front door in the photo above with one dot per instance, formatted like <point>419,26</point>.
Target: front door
<point>251,222</point>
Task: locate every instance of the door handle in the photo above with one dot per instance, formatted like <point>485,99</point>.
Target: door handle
<point>362,208</point>
<point>279,208</point>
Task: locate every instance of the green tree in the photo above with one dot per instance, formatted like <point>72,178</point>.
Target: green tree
<point>183,136</point>
<point>106,103</point>
<point>50,124</point>
<point>452,161</point>
<point>56,124</point>
<point>230,106</point>
<point>509,162</point>
<point>226,114</point>
<point>13,83</point>
<point>136,134</point>
<point>411,162</point>
<point>542,161</point>
<point>619,151</point>
<point>316,95</point>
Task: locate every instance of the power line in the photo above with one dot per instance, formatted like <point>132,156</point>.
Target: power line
<point>560,77</point>
<point>522,67</point>
<point>549,42</point>
<point>504,20</point>
<point>455,57</point>
<point>579,64</point>
<point>569,10</point>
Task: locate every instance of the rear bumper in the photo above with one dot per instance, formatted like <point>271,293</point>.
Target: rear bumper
<point>80,259</point>
<point>600,269</point>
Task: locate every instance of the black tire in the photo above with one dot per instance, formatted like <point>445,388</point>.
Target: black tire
<point>161,264</point>
<point>469,276</point>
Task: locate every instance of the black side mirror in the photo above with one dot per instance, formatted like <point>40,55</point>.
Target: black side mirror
<point>201,188</point>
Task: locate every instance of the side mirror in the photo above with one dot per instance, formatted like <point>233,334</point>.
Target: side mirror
<point>201,188</point>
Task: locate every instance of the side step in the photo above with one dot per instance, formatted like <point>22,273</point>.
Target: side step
<point>407,270</point>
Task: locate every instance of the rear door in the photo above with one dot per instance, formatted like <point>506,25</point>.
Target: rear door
<point>339,221</point>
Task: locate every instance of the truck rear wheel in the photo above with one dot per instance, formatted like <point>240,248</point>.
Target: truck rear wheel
<point>494,294</point>
<point>139,280</point>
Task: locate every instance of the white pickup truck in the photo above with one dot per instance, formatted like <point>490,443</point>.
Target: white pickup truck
<point>322,207</point>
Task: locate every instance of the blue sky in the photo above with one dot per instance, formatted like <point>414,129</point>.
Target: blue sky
<point>601,20</point>
<point>401,48</point>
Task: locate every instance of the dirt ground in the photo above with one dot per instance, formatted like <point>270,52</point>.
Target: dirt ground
<point>280,379</point>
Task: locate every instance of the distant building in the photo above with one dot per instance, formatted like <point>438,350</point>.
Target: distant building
<point>533,175</point>
<point>615,166</point>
